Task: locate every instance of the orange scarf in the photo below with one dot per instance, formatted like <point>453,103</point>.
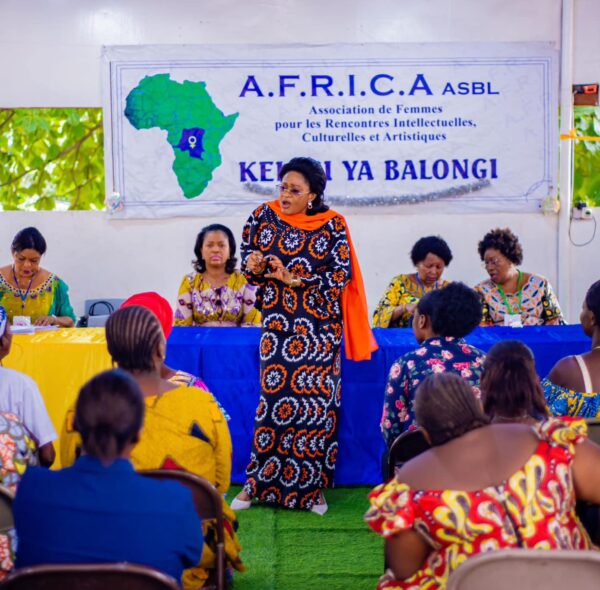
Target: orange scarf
<point>359,341</point>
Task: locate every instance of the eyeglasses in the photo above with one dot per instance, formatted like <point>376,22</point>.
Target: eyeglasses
<point>281,188</point>
<point>496,262</point>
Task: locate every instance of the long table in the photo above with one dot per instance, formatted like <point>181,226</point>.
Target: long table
<point>227,359</point>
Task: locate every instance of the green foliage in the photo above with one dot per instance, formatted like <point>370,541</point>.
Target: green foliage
<point>586,183</point>
<point>51,159</point>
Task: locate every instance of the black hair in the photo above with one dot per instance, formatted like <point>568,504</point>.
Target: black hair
<point>29,238</point>
<point>592,300</point>
<point>430,245</point>
<point>109,414</point>
<point>133,335</point>
<point>510,385</point>
<point>454,310</point>
<point>446,407</point>
<point>199,263</point>
<point>503,240</point>
<point>315,176</point>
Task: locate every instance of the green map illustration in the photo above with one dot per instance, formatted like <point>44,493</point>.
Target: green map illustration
<point>194,126</point>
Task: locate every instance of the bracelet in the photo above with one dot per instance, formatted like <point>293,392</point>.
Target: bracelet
<point>295,282</point>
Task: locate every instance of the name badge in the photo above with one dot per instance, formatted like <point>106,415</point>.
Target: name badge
<point>21,320</point>
<point>513,320</point>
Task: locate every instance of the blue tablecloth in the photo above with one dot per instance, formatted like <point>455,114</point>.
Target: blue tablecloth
<point>227,359</point>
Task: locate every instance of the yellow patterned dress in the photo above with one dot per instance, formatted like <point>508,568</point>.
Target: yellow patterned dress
<point>403,289</point>
<point>534,509</point>
<point>50,298</point>
<point>199,304</point>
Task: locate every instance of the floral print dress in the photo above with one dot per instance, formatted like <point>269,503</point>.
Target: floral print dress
<point>537,303</point>
<point>402,290</point>
<point>295,435</point>
<point>534,508</point>
<point>436,355</point>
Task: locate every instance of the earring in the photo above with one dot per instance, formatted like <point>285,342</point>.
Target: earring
<point>310,204</point>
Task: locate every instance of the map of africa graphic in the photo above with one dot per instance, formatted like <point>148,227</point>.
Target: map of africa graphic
<point>195,126</point>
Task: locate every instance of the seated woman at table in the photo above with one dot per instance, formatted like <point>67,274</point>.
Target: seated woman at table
<point>430,255</point>
<point>183,429</point>
<point>100,510</point>
<point>511,297</point>
<point>163,311</point>
<point>216,294</point>
<point>442,319</point>
<point>20,395</point>
<point>573,386</point>
<point>27,289</point>
<point>510,386</point>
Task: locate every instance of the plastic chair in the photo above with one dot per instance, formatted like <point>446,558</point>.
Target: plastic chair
<point>116,576</point>
<point>528,569</point>
<point>6,512</point>
<point>404,448</point>
<point>209,505</point>
<point>593,425</point>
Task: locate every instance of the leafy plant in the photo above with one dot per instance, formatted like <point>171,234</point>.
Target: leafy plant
<point>51,159</point>
<point>586,183</point>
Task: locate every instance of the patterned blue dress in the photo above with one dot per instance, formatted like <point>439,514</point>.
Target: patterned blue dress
<point>295,434</point>
<point>562,401</point>
<point>436,355</point>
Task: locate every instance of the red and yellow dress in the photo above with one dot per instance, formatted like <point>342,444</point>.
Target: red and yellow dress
<point>534,509</point>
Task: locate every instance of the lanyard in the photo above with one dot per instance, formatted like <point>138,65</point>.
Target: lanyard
<point>422,285</point>
<point>509,309</point>
<point>22,296</point>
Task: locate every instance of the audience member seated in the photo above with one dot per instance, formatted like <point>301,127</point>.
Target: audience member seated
<point>511,297</point>
<point>183,429</point>
<point>27,289</point>
<point>216,294</point>
<point>573,386</point>
<point>100,510</point>
<point>481,487</point>
<point>510,386</point>
<point>430,255</point>
<point>163,311</point>
<point>20,395</point>
<point>442,319</point>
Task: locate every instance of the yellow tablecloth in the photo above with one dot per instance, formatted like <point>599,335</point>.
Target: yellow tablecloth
<point>60,362</point>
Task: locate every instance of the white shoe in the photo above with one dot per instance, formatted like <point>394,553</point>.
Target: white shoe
<point>238,504</point>
<point>320,508</point>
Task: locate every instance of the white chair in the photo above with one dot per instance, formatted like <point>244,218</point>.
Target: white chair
<point>528,569</point>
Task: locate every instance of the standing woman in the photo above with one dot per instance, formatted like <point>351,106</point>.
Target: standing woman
<point>216,294</point>
<point>300,254</point>
<point>27,289</point>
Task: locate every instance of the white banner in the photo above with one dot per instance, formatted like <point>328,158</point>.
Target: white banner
<point>202,130</point>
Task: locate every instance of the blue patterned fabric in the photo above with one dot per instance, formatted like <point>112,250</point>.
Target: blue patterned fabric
<point>563,401</point>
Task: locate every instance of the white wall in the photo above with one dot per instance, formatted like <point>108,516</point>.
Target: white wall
<point>50,56</point>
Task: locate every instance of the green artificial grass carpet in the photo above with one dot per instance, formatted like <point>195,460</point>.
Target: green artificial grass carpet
<point>297,550</point>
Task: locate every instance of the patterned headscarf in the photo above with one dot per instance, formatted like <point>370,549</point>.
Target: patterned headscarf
<point>158,305</point>
<point>3,321</point>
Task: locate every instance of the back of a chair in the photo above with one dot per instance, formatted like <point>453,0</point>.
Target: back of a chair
<point>116,576</point>
<point>528,569</point>
<point>406,447</point>
<point>6,512</point>
<point>593,425</point>
<point>209,505</point>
